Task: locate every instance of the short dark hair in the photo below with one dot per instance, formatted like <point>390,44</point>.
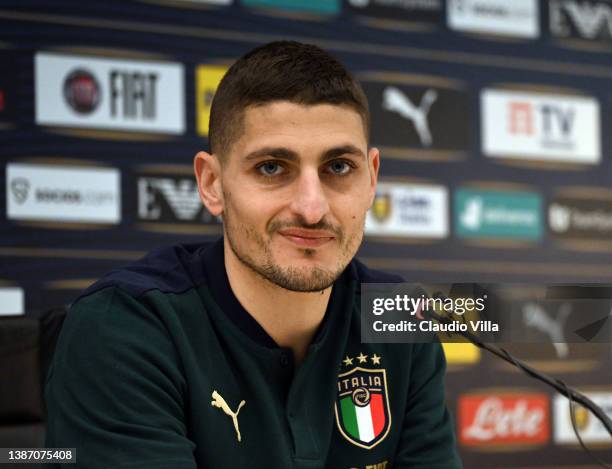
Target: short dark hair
<point>280,71</point>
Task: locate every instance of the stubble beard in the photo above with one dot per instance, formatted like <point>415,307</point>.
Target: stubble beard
<point>306,279</point>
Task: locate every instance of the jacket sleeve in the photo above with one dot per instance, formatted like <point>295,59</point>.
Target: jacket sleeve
<point>115,388</point>
<point>428,438</point>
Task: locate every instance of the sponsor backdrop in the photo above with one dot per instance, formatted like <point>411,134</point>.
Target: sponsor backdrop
<point>493,118</point>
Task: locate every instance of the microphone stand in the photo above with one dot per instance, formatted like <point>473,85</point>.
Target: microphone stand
<point>557,384</point>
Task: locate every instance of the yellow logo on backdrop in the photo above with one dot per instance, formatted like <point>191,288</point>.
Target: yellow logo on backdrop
<point>208,78</point>
<point>381,208</point>
<point>460,353</point>
<point>582,417</point>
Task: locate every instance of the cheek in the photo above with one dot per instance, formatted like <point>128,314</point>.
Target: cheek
<point>242,204</point>
<point>354,209</point>
<point>353,222</point>
<point>249,213</point>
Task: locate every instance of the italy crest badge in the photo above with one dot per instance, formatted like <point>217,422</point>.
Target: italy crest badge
<point>362,405</point>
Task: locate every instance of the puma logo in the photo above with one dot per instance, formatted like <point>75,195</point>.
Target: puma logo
<point>395,100</point>
<point>220,403</point>
<point>536,317</point>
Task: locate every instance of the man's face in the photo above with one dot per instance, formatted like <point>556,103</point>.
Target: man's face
<point>296,187</point>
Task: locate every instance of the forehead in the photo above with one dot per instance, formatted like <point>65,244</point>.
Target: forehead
<point>306,129</point>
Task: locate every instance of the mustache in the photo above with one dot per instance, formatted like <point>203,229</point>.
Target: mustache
<point>277,225</point>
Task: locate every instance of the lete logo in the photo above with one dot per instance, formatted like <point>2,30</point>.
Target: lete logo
<point>503,419</point>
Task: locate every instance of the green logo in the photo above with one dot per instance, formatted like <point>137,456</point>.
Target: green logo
<point>328,7</point>
<point>498,214</point>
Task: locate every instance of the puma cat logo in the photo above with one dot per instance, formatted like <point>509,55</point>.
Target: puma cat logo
<point>395,100</point>
<point>220,403</point>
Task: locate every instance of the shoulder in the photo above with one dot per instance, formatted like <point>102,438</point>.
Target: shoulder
<point>111,310</point>
<point>117,308</point>
<point>170,269</point>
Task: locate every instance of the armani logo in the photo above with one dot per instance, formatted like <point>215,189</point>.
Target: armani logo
<point>396,101</point>
<point>220,403</point>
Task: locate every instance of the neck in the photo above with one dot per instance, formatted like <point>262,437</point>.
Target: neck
<point>290,318</point>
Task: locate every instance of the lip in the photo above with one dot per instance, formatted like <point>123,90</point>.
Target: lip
<point>307,238</point>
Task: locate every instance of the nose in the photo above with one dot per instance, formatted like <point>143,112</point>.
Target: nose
<point>309,202</point>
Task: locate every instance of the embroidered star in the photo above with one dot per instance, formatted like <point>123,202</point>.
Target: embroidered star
<point>375,359</point>
<point>347,361</point>
<point>362,358</point>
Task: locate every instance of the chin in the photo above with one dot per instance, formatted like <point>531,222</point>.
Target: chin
<point>309,258</point>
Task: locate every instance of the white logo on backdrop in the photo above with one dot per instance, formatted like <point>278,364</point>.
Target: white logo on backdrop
<point>409,210</point>
<point>20,187</point>
<point>528,125</point>
<point>63,193</point>
<point>493,420</point>
<point>518,18</point>
<point>471,217</point>
<point>559,217</point>
<point>590,428</point>
<point>535,316</point>
<point>396,101</point>
<point>118,94</point>
<point>182,197</point>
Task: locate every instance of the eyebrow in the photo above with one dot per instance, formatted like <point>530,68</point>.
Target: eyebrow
<point>290,155</point>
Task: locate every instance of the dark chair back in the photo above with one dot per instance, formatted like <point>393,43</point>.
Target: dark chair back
<point>27,344</point>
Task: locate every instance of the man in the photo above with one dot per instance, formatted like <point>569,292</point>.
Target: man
<point>246,353</point>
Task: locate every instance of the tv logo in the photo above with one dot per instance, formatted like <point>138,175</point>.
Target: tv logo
<point>557,122</point>
<point>552,127</point>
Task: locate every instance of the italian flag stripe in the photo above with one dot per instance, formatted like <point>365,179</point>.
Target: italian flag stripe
<point>349,417</point>
<point>364,420</point>
<point>363,423</point>
<point>378,413</point>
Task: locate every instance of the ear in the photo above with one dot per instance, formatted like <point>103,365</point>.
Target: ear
<point>374,165</point>
<point>207,170</point>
